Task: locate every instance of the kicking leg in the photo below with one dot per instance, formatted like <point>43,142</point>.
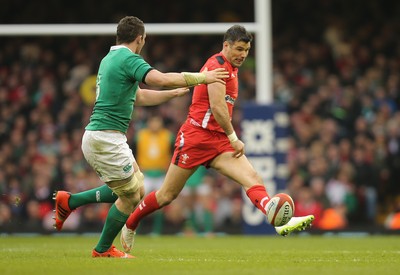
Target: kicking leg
<point>241,171</point>
<point>66,202</point>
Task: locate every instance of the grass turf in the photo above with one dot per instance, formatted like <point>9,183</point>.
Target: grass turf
<point>60,254</point>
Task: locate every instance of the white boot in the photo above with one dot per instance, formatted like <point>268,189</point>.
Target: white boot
<point>127,238</point>
<point>295,224</point>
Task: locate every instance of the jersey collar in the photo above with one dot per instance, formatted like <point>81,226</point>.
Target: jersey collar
<point>117,47</point>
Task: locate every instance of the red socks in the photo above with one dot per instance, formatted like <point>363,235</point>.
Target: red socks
<point>147,206</point>
<point>258,196</point>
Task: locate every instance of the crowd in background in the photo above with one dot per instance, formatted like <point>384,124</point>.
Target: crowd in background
<point>337,75</point>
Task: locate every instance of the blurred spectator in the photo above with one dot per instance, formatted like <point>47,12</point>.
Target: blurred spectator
<point>154,145</point>
<point>34,218</point>
<point>333,218</point>
<point>365,179</point>
<point>307,204</point>
<point>341,191</point>
<point>392,220</point>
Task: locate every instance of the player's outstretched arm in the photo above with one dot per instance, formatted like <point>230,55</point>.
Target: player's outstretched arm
<point>185,79</point>
<point>146,97</point>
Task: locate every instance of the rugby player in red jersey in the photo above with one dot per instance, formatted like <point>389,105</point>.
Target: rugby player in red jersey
<point>208,138</point>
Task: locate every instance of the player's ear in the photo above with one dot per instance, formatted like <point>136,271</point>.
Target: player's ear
<point>226,45</point>
<point>139,39</point>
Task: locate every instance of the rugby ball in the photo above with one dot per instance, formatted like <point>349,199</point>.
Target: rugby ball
<point>279,209</point>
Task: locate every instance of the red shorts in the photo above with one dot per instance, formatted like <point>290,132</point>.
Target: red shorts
<point>196,146</point>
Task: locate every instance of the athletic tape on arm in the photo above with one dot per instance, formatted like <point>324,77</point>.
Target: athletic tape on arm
<point>193,79</point>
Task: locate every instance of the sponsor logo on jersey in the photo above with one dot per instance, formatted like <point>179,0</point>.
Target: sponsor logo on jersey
<point>193,122</point>
<point>229,99</point>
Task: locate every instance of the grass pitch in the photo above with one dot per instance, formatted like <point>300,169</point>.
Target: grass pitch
<point>60,254</point>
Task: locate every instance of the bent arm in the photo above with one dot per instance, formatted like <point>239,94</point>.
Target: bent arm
<point>216,95</point>
<point>219,109</point>
<point>146,97</point>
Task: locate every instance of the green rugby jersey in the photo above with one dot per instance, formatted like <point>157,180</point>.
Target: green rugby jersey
<point>117,82</point>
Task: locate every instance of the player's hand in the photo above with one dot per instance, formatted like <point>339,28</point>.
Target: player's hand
<point>216,75</point>
<point>178,92</point>
<point>238,146</point>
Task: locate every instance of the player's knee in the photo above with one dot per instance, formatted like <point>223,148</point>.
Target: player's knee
<point>140,178</point>
<point>129,191</point>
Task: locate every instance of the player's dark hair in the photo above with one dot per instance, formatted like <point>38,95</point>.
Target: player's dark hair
<point>237,33</point>
<point>128,29</point>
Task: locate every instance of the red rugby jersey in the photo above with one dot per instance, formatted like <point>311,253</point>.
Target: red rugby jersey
<point>200,111</point>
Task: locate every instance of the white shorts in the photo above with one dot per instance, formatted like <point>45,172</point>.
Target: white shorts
<point>109,154</point>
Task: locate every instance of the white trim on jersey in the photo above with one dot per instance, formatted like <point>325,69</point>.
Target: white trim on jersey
<point>181,141</point>
<point>117,47</point>
<point>206,119</point>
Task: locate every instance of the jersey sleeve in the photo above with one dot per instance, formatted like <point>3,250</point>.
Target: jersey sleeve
<point>137,68</point>
<point>216,62</point>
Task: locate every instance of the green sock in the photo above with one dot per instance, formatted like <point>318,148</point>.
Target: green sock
<point>114,222</point>
<point>95,195</point>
